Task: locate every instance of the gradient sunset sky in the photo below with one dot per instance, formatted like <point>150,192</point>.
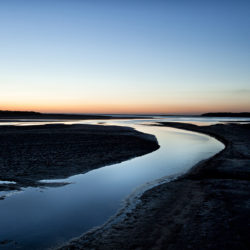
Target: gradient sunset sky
<point>89,56</point>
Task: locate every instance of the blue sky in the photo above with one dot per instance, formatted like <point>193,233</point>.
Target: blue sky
<point>125,56</point>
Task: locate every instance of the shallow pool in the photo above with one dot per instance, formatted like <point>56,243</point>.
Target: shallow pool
<point>39,218</point>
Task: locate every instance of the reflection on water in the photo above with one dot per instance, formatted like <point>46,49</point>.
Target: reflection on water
<point>200,121</point>
<point>39,218</point>
<point>7,182</point>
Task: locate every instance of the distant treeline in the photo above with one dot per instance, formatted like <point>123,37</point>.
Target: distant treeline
<point>18,113</point>
<point>36,115</point>
<point>227,114</point>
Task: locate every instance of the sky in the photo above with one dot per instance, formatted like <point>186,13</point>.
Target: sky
<point>124,56</point>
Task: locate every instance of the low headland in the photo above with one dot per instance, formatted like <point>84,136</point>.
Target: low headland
<point>208,208</point>
<point>5,114</point>
<point>227,114</point>
<point>32,153</point>
<point>8,116</point>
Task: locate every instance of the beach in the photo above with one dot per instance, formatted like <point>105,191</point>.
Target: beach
<point>29,154</point>
<point>125,125</point>
<point>207,208</point>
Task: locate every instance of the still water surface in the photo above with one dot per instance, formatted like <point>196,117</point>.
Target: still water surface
<point>39,218</point>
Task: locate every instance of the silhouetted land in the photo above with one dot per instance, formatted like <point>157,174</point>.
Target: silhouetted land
<point>244,114</point>
<point>37,115</point>
<point>208,208</point>
<point>32,116</point>
<point>32,153</point>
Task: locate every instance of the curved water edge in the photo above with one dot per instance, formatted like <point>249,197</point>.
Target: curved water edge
<point>108,187</point>
<point>128,204</point>
<point>132,200</point>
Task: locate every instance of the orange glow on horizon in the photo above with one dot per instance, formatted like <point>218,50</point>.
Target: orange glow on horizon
<point>124,109</point>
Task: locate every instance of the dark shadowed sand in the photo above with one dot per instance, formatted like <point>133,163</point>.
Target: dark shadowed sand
<point>208,208</point>
<point>32,153</point>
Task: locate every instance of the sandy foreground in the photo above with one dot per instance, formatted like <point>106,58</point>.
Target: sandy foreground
<point>208,208</point>
<point>32,153</point>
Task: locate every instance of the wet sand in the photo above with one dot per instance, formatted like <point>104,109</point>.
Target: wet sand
<point>208,208</point>
<point>32,153</point>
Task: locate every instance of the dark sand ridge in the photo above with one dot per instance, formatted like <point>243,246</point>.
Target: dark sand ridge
<point>32,153</point>
<point>12,116</point>
<point>208,208</point>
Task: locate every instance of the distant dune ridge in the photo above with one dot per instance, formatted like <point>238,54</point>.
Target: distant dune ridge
<point>227,114</point>
<point>11,115</point>
<point>16,113</point>
<point>5,114</point>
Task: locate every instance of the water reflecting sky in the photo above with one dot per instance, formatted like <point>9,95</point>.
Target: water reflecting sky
<point>39,218</point>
